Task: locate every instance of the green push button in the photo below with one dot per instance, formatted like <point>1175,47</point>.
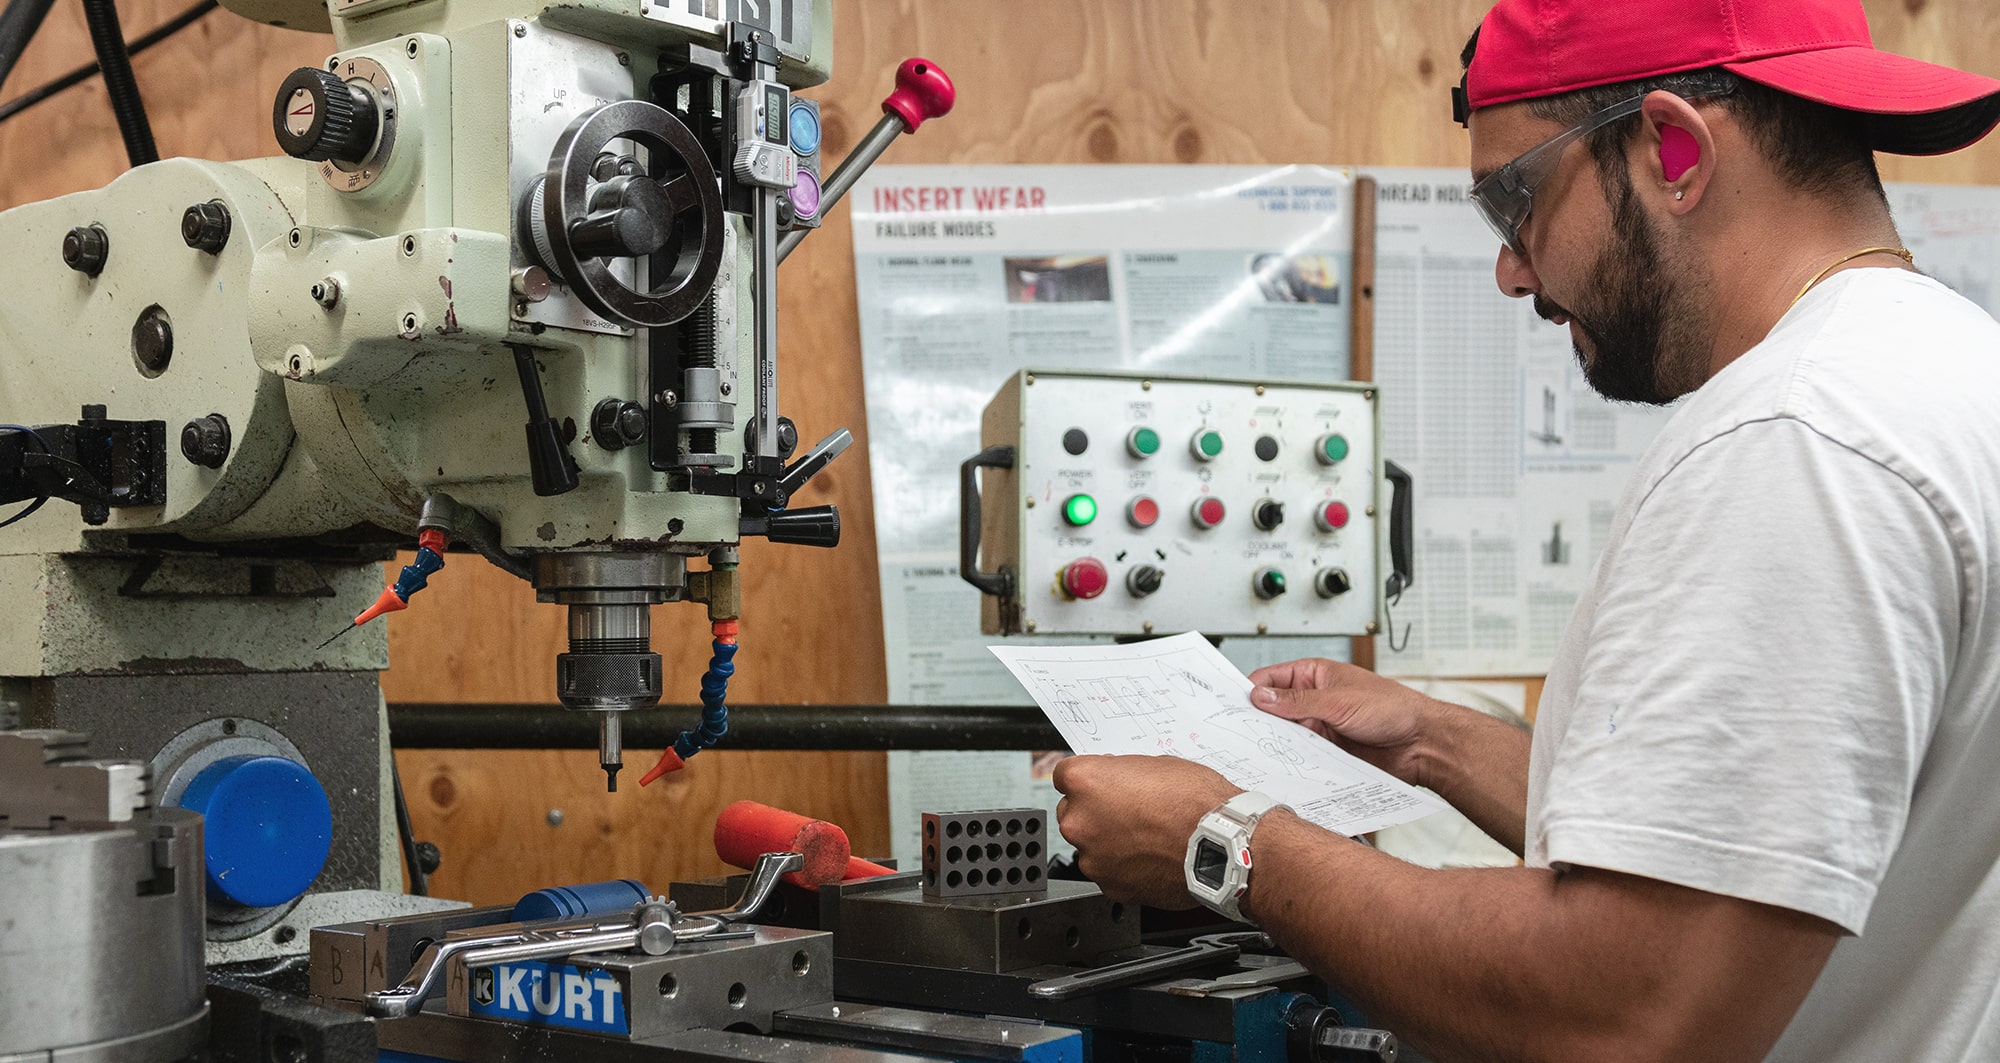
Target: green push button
<point>1142,442</point>
<point>1080,510</point>
<point>1332,449</point>
<point>1206,445</point>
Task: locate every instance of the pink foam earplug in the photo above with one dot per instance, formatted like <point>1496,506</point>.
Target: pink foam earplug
<point>1678,151</point>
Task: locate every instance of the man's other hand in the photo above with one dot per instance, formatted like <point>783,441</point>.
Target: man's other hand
<point>1130,819</point>
<point>1379,720</point>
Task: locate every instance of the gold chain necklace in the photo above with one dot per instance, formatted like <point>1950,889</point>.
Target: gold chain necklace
<point>1900,252</point>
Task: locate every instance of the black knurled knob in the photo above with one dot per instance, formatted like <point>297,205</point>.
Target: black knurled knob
<point>205,226</point>
<point>85,249</point>
<point>205,441</point>
<point>318,116</point>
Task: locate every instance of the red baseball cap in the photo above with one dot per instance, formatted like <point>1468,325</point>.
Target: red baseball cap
<point>1818,50</point>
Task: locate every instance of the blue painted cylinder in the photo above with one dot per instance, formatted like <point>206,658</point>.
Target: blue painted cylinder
<point>574,902</point>
<point>267,828</point>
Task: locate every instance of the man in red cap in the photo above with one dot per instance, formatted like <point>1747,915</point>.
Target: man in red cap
<point>1757,818</point>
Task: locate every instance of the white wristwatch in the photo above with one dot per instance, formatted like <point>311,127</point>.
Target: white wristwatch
<point>1218,853</point>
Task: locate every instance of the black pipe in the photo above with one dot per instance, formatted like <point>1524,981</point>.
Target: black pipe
<point>89,70</point>
<point>17,27</point>
<point>107,38</point>
<point>433,725</point>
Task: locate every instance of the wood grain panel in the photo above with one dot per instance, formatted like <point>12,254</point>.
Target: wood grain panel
<point>1041,81</point>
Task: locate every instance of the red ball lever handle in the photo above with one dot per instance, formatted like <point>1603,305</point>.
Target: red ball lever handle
<point>922,91</point>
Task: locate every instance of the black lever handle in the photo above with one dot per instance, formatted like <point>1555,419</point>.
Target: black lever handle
<point>796,475</point>
<point>809,526</point>
<point>1402,530</point>
<point>549,462</point>
<point>999,584</point>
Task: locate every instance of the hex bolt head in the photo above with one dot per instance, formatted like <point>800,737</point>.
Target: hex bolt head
<point>205,226</point>
<point>85,248</point>
<point>205,440</point>
<point>632,423</point>
<point>618,423</point>
<point>327,293</point>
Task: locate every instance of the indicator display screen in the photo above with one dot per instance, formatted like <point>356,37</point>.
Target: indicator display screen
<point>777,102</point>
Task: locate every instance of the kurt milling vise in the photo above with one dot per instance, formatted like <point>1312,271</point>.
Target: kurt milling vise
<point>570,214</point>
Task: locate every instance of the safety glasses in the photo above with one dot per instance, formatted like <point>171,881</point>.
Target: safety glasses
<point>1506,196</point>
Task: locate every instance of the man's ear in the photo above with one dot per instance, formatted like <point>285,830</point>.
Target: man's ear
<point>1678,150</point>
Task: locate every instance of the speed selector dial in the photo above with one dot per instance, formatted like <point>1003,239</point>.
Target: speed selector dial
<point>319,116</point>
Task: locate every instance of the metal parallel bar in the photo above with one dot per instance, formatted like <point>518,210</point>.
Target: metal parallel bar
<point>437,725</point>
<point>764,264</point>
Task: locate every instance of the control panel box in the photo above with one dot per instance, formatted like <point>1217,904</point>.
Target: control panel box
<point>1127,504</point>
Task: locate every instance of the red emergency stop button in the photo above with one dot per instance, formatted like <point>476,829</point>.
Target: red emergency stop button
<point>1084,578</point>
<point>1143,512</point>
<point>1332,516</point>
<point>1207,512</point>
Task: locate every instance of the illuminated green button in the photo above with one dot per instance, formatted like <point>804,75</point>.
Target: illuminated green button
<point>1142,442</point>
<point>1080,510</point>
<point>1332,448</point>
<point>1206,444</point>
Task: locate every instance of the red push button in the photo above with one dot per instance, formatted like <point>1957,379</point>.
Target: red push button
<point>1331,517</point>
<point>1143,512</point>
<point>1085,578</point>
<point>1207,512</point>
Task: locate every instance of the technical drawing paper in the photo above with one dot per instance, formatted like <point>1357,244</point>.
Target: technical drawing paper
<point>1178,696</point>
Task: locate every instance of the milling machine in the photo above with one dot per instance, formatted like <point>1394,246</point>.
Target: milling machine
<point>228,391</point>
<point>254,381</point>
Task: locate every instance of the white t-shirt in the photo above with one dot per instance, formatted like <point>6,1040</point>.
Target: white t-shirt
<point>1784,682</point>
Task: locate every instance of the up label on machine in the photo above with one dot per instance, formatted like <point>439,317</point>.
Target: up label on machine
<point>543,994</point>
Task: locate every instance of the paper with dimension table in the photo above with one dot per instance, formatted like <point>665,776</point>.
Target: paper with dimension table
<point>1179,696</point>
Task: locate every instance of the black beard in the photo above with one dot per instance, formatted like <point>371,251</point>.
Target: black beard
<point>1645,334</point>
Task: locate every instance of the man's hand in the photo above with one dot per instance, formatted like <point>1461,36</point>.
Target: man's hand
<point>1130,819</point>
<point>1379,720</point>
<point>1477,763</point>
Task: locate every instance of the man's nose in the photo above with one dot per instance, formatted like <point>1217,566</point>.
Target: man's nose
<point>1515,275</point>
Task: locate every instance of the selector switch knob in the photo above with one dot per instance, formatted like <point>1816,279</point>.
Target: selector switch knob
<point>1144,580</point>
<point>1268,515</point>
<point>1084,578</point>
<point>1268,582</point>
<point>318,116</point>
<point>1332,582</point>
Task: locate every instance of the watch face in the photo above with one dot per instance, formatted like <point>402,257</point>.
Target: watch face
<point>1209,860</point>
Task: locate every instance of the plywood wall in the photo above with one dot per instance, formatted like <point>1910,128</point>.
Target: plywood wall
<point>1040,81</point>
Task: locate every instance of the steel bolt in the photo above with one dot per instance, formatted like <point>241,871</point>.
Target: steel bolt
<point>618,423</point>
<point>85,248</point>
<point>327,293</point>
<point>205,226</point>
<point>205,440</point>
<point>555,817</point>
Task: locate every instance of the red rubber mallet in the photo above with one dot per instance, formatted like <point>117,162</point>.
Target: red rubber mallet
<point>746,830</point>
